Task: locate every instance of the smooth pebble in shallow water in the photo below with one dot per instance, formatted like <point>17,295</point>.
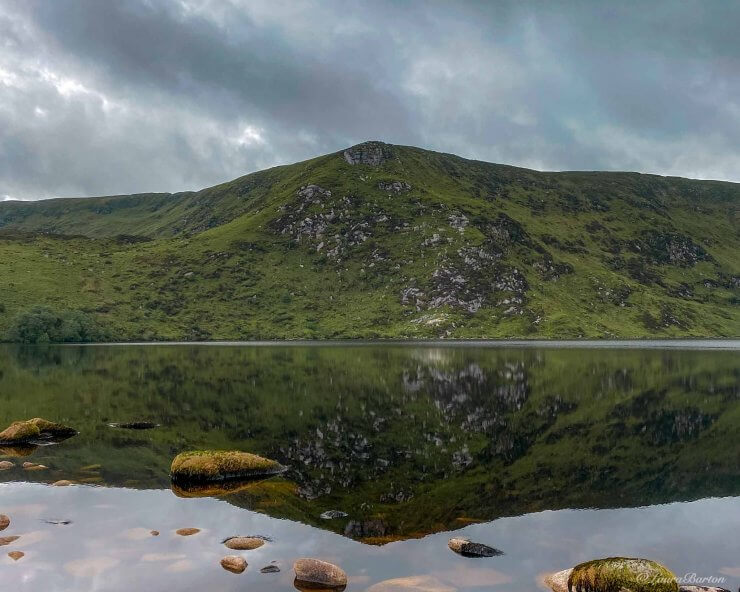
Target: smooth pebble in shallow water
<point>187,531</point>
<point>4,522</point>
<point>7,540</point>
<point>154,533</point>
<point>239,543</point>
<point>315,571</point>
<point>234,564</point>
<point>272,568</point>
<point>5,465</point>
<point>16,555</point>
<point>29,466</point>
<point>62,483</point>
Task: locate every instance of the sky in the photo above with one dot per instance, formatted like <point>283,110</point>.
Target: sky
<point>102,97</point>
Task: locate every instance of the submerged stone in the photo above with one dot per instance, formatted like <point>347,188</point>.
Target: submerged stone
<point>214,465</point>
<point>5,465</point>
<point>614,574</point>
<point>29,466</point>
<point>272,568</point>
<point>187,531</point>
<point>4,522</point>
<point>470,549</point>
<point>7,540</point>
<point>16,555</point>
<point>135,425</point>
<point>240,543</point>
<point>323,573</point>
<point>234,564</point>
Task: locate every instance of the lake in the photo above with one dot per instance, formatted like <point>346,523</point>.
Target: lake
<point>554,455</point>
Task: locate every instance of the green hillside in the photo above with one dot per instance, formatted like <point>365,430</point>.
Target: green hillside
<point>379,241</point>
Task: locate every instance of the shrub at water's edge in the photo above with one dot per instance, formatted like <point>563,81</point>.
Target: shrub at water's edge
<point>42,325</point>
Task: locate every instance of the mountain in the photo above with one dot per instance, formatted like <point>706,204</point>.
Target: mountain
<point>379,241</point>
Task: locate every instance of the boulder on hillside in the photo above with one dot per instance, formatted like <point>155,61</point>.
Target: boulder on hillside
<point>216,465</point>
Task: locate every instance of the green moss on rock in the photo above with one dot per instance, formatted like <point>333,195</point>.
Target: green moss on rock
<point>216,465</point>
<point>52,429</point>
<point>621,574</point>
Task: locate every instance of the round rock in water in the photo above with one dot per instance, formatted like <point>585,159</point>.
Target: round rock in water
<point>62,483</point>
<point>622,573</point>
<point>272,568</point>
<point>234,564</point>
<point>240,543</point>
<point>187,531</point>
<point>333,514</point>
<point>5,465</point>
<point>29,466</point>
<point>7,540</point>
<point>16,555</point>
<point>154,532</point>
<point>470,549</point>
<point>323,573</point>
<point>4,522</point>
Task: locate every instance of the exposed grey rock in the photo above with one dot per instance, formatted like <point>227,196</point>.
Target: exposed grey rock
<point>394,186</point>
<point>370,153</point>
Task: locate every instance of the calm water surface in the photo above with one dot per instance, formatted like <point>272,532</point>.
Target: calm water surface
<point>553,455</point>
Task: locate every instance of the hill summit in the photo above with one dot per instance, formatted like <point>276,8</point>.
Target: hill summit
<point>378,240</point>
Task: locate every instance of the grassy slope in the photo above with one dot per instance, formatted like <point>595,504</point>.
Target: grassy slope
<point>592,249</point>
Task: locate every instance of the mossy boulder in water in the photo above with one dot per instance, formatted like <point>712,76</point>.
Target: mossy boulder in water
<point>615,574</point>
<point>214,465</point>
<point>51,429</point>
<point>23,432</point>
<point>20,432</point>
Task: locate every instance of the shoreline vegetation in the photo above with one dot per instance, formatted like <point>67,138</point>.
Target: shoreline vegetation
<point>378,242</point>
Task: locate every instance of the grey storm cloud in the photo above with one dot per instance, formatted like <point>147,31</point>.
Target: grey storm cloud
<point>100,97</point>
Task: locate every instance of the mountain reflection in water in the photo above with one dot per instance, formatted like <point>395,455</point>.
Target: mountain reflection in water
<point>406,440</point>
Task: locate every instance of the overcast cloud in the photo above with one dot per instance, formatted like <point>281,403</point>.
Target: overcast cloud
<point>105,97</point>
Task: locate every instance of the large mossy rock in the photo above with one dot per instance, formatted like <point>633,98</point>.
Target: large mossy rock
<point>216,465</point>
<point>621,574</point>
<point>19,432</point>
<point>23,432</point>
